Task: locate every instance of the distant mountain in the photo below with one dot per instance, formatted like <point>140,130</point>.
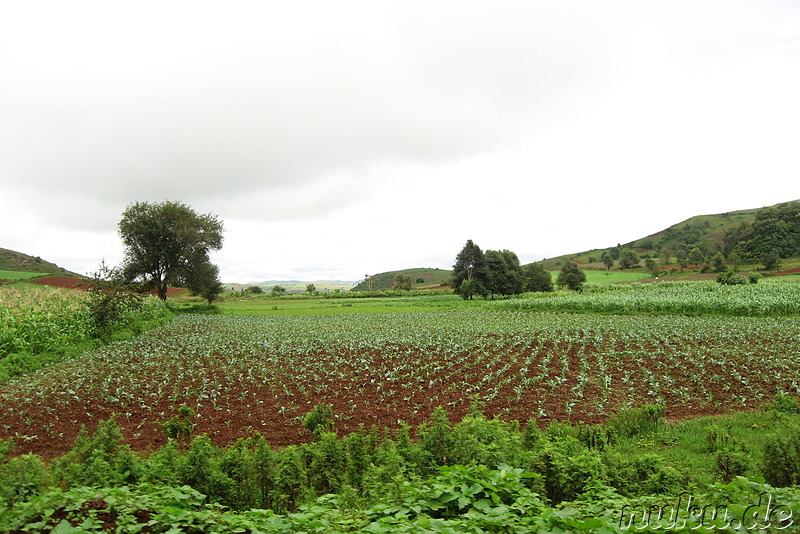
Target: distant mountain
<point>421,277</point>
<point>11,260</point>
<point>296,286</point>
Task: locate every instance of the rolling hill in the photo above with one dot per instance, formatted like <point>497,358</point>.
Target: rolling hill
<point>11,260</point>
<point>705,231</point>
<point>430,278</point>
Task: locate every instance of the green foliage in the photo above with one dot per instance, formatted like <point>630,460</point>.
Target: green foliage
<point>731,278</point>
<point>277,290</point>
<point>402,282</point>
<point>504,274</point>
<point>470,267</point>
<point>180,426</point>
<point>668,298</point>
<point>536,279</point>
<point>635,421</point>
<point>490,499</point>
<point>21,478</point>
<point>643,474</point>
<point>328,464</point>
<point>202,279</point>
<point>167,243</point>
<point>573,467</point>
<point>781,461</point>
<point>628,258</point>
<point>652,267</point>
<point>774,234</point>
<point>568,469</point>
<point>784,403</point>
<point>110,299</point>
<point>571,277</point>
<point>319,420</point>
<point>202,471</point>
<point>607,260</point>
<point>436,438</point>
<point>99,459</point>
<point>730,463</point>
<point>771,261</point>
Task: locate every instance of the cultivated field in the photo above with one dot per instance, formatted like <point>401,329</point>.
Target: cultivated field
<point>263,373</point>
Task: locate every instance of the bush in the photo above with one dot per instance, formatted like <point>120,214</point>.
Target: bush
<point>634,421</point>
<point>784,403</point>
<point>730,463</point>
<point>731,278</point>
<point>180,426</point>
<point>781,462</point>
<point>568,469</point>
<point>98,460</point>
<point>319,420</point>
<point>22,477</point>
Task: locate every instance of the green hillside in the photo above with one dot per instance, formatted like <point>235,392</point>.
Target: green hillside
<point>430,277</point>
<point>11,260</point>
<point>706,232</point>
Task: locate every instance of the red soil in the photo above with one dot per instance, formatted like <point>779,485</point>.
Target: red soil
<point>69,282</point>
<point>61,281</point>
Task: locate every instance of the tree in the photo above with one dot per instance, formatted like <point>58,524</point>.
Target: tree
<point>203,280</point>
<point>607,260</point>
<point>771,261</point>
<point>696,256</point>
<point>164,243</point>
<point>370,280</point>
<point>628,258</point>
<point>571,276</point>
<point>277,291</point>
<point>651,265</point>
<point>470,267</point>
<point>718,261</point>
<point>311,288</point>
<point>255,290</point>
<point>504,273</point>
<point>536,278</point>
<point>664,257</point>
<point>402,282</point>
<point>735,260</point>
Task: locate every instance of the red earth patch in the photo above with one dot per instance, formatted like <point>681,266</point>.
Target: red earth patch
<point>61,281</point>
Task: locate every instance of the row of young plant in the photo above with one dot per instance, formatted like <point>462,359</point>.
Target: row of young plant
<point>767,299</point>
<point>267,371</point>
<point>43,324</point>
<point>479,475</point>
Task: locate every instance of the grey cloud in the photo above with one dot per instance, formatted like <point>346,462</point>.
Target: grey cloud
<point>197,101</point>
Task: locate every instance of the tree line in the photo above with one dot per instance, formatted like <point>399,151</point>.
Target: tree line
<point>498,272</point>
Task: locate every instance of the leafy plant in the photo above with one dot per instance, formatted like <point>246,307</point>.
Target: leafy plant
<point>180,426</point>
<point>319,420</point>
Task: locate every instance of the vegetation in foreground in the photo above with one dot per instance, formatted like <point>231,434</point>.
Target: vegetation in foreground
<point>44,325</point>
<point>479,475</point>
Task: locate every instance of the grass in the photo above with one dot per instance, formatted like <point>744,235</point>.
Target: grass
<point>17,276</point>
<point>687,444</point>
<point>322,306</point>
<point>611,277</point>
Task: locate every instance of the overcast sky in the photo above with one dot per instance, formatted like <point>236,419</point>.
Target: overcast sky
<point>336,139</point>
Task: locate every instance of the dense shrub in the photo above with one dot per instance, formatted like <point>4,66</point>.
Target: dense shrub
<point>781,463</point>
